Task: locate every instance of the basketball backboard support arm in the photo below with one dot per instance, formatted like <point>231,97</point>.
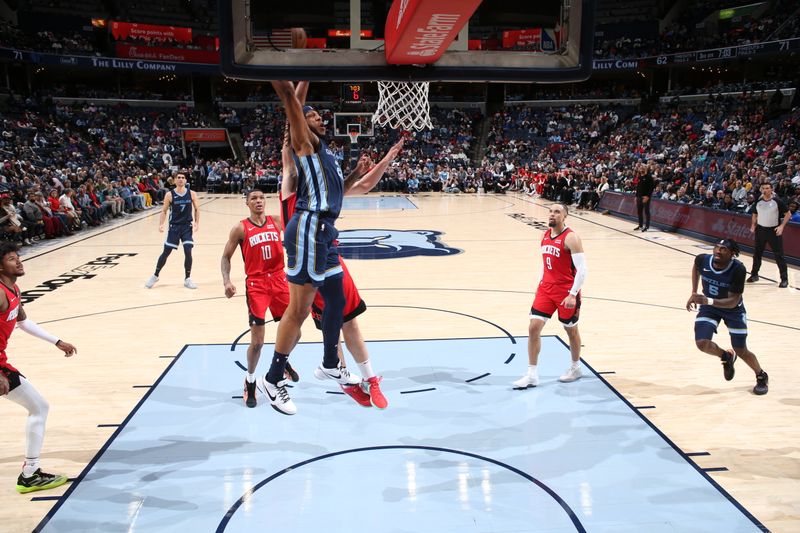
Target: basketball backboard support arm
<point>238,59</point>
<point>357,43</point>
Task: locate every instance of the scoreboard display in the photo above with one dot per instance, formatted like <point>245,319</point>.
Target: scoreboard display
<point>352,93</point>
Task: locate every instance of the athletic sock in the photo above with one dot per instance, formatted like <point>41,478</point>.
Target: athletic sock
<point>366,369</point>
<point>30,467</point>
<point>251,378</point>
<point>532,370</point>
<point>277,368</point>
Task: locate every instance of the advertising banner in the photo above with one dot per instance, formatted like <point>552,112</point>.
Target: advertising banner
<point>155,53</point>
<point>150,32</point>
<point>207,135</point>
<point>702,222</point>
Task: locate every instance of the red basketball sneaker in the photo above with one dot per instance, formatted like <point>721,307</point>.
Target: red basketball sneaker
<point>375,395</point>
<point>358,394</point>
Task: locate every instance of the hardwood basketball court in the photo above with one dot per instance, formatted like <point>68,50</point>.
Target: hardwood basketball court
<point>635,330</point>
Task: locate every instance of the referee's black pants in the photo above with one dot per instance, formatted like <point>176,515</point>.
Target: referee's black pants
<point>766,236</point>
<point>643,211</point>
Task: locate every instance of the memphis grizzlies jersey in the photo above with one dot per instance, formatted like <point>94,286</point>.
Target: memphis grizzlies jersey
<point>181,208</point>
<point>320,182</point>
<point>719,283</point>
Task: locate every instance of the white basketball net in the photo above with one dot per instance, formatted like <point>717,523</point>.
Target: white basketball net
<point>403,105</point>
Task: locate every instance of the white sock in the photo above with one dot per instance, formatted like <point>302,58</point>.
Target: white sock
<point>251,378</point>
<point>532,370</point>
<point>366,369</point>
<point>575,364</point>
<point>31,465</point>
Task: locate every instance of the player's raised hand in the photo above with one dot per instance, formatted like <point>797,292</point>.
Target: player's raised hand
<point>394,151</point>
<point>364,164</point>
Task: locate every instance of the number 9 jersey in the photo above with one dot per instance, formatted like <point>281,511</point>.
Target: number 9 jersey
<point>557,260</point>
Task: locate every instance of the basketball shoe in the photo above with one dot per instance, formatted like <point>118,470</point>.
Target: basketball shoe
<point>279,397</point>
<point>249,393</point>
<point>376,396</point>
<point>358,394</point>
<point>340,374</point>
<point>572,374</point>
<point>727,364</point>
<point>291,373</point>
<point>39,481</point>
<point>526,381</point>
<point>189,284</point>
<point>152,280</point>
<point>762,384</point>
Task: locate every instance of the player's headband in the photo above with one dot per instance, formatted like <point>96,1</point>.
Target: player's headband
<point>307,109</point>
<point>730,244</point>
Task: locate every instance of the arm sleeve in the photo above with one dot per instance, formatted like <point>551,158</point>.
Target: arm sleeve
<point>579,260</point>
<point>32,328</point>
<point>737,282</point>
<point>698,261</point>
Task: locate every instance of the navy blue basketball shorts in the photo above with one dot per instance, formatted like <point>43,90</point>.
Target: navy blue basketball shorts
<point>311,254</point>
<point>709,317</point>
<point>179,233</point>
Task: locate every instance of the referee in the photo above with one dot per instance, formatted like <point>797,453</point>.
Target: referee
<point>769,218</point>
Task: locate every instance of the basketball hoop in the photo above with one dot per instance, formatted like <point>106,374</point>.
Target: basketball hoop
<point>353,134</point>
<point>403,105</point>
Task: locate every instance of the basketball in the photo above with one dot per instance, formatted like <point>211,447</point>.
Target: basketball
<point>299,38</point>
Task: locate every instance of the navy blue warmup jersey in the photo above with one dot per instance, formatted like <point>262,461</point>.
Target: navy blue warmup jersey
<point>181,208</point>
<point>320,182</point>
<point>719,283</point>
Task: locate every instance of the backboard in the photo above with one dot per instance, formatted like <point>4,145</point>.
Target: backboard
<point>504,41</point>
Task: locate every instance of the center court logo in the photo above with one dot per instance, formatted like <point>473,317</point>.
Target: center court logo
<point>391,244</point>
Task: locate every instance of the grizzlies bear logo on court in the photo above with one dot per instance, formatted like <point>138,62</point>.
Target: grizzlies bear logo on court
<point>391,244</point>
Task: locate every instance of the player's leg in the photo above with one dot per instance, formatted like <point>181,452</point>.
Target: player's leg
<point>253,355</point>
<point>354,341</point>
<point>25,394</point>
<point>279,303</point>
<point>705,326</point>
<point>188,244</point>
<point>647,214</point>
<point>569,319</point>
<point>170,244</point>
<point>737,327</point>
<point>542,309</point>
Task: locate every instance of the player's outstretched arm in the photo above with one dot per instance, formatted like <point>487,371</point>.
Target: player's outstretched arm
<point>362,167</point>
<point>301,91</point>
<point>288,170</point>
<point>367,182</point>
<point>299,130</point>
<point>32,328</point>
<point>234,238</point>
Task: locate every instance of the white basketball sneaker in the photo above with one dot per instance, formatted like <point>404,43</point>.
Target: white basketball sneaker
<point>189,284</point>
<point>340,374</point>
<point>526,381</point>
<point>278,396</point>
<point>152,280</point>
<point>573,373</point>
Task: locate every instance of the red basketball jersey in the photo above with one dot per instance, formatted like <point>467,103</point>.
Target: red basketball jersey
<point>557,259</point>
<point>262,249</point>
<point>7,322</point>
<point>287,207</point>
